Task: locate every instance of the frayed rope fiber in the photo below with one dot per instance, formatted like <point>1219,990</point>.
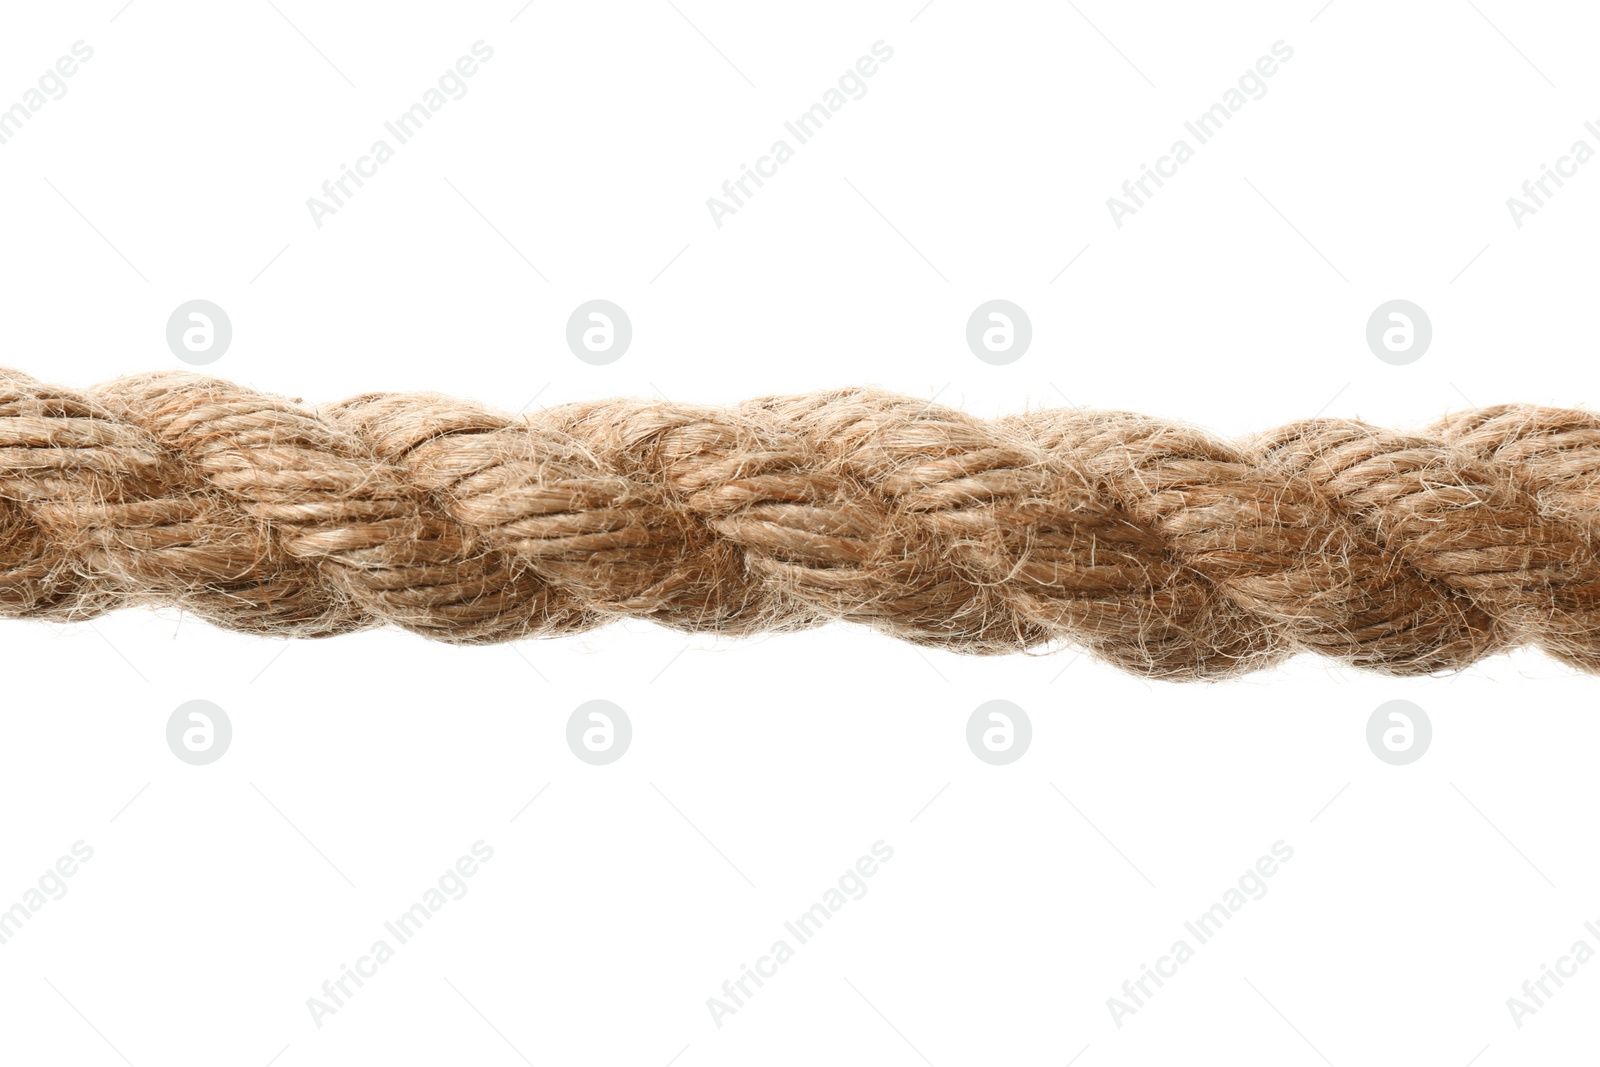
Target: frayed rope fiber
<point>1165,550</point>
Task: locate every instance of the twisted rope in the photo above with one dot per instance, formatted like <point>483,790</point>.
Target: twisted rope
<point>1160,548</point>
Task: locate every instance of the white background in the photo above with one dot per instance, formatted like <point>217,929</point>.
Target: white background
<point>1377,166</point>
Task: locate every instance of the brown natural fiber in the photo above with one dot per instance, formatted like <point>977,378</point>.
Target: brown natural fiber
<point>1156,546</point>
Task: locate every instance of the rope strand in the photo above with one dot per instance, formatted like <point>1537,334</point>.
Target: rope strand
<point>1165,550</point>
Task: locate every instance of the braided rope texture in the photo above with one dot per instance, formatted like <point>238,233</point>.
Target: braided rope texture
<point>1154,545</point>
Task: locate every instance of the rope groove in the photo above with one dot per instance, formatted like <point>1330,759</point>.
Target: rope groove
<point>1165,550</point>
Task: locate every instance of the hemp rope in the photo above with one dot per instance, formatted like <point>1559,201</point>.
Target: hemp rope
<point>1153,545</point>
